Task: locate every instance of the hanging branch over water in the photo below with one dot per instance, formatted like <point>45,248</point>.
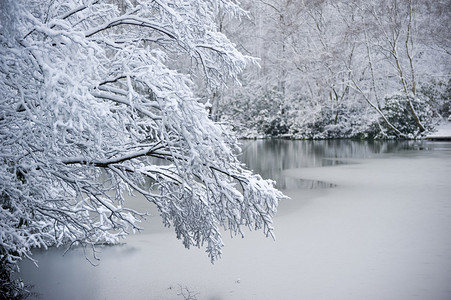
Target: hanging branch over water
<point>91,112</point>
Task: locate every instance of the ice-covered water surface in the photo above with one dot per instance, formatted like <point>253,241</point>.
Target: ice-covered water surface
<point>381,231</point>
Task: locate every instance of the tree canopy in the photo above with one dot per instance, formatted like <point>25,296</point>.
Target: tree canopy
<point>96,102</point>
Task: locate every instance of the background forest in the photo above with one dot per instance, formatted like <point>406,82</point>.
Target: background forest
<point>339,69</point>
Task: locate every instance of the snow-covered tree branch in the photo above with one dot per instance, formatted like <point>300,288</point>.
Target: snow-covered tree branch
<point>93,106</point>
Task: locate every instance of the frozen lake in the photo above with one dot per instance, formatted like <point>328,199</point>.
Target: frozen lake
<point>365,221</point>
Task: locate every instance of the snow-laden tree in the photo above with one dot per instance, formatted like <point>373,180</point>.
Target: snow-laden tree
<point>93,107</point>
<point>330,65</point>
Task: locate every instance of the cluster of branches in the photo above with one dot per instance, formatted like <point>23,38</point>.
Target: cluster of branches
<point>90,110</point>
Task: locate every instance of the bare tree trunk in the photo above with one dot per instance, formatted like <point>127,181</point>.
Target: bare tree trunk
<point>409,39</point>
<point>393,50</point>
<point>370,62</point>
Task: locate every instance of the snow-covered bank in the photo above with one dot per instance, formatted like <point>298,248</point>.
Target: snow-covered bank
<point>443,132</point>
<point>381,233</point>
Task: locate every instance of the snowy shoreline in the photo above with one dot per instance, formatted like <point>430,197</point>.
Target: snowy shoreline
<point>441,133</point>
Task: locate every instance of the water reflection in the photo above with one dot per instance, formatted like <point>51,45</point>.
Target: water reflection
<point>286,183</point>
<point>270,158</point>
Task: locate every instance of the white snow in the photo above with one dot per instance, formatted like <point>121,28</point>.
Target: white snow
<point>442,131</point>
<point>382,233</point>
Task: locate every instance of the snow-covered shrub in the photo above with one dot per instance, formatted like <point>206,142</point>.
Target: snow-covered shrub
<point>438,95</point>
<point>315,121</point>
<point>307,121</point>
<point>264,113</point>
<point>398,112</point>
<point>273,118</point>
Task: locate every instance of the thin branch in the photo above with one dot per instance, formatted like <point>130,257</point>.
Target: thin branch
<point>121,100</point>
<point>105,163</point>
<point>130,20</point>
